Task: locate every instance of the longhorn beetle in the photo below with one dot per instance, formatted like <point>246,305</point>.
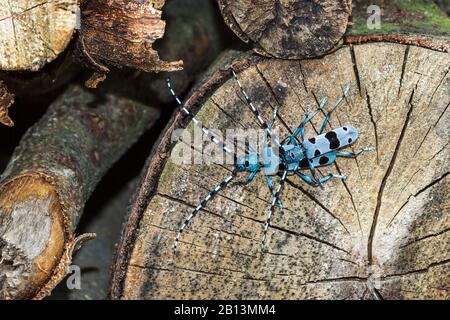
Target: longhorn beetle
<point>289,156</point>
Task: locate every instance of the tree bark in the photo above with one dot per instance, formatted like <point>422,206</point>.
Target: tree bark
<point>382,233</point>
<point>34,32</point>
<point>193,35</point>
<point>291,29</point>
<point>48,180</point>
<point>6,100</point>
<point>128,42</point>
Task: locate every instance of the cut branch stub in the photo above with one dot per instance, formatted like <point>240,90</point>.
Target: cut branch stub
<point>383,232</point>
<point>290,29</point>
<point>34,32</point>
<point>122,33</point>
<point>48,180</point>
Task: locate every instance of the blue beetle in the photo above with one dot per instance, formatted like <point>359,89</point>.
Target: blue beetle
<point>290,156</point>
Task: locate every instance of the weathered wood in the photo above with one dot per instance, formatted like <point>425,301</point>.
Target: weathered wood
<point>48,180</point>
<point>418,22</point>
<point>382,233</point>
<point>43,85</point>
<point>6,100</point>
<point>121,33</point>
<point>34,32</point>
<point>288,29</point>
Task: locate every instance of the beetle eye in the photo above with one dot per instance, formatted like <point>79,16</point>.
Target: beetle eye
<point>247,164</point>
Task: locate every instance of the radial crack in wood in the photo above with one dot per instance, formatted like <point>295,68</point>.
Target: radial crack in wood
<point>290,29</point>
<point>383,233</point>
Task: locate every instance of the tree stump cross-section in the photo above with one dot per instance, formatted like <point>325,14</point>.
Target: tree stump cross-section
<point>382,233</point>
<point>290,29</point>
<point>34,32</point>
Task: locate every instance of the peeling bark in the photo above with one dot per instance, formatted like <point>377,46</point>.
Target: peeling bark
<point>6,100</point>
<point>193,34</point>
<point>291,29</point>
<point>380,234</point>
<point>48,180</point>
<point>121,33</point>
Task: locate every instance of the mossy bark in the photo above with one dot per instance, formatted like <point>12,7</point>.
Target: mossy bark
<point>419,22</point>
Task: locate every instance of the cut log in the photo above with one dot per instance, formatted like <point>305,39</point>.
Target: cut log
<point>34,32</point>
<point>290,29</point>
<point>50,176</point>
<point>382,233</point>
<point>121,33</point>
<point>44,85</point>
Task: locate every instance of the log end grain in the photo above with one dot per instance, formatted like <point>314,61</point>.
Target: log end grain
<point>289,29</point>
<point>50,176</point>
<point>382,233</point>
<point>33,33</point>
<point>32,235</point>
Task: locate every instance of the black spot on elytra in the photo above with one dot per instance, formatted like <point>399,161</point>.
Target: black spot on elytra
<point>350,140</point>
<point>333,139</point>
<point>312,140</point>
<point>345,128</point>
<point>323,160</point>
<point>317,153</point>
<point>304,163</point>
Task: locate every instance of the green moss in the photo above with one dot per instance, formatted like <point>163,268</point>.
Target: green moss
<point>166,174</point>
<point>427,8</point>
<point>417,17</point>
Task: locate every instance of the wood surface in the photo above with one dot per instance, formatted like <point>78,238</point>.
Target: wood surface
<point>34,32</point>
<point>48,180</point>
<point>290,29</point>
<point>380,234</point>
